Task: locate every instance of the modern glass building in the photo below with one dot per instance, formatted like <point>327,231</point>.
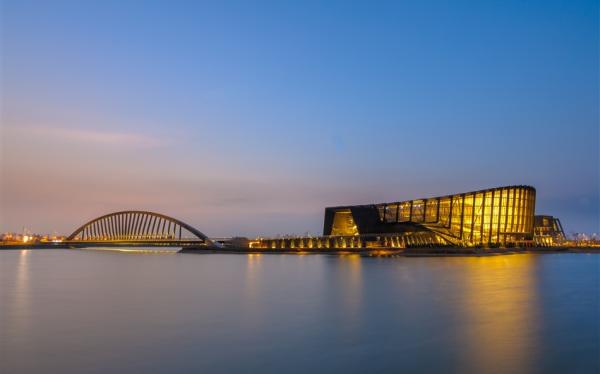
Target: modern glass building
<point>548,231</point>
<point>502,216</point>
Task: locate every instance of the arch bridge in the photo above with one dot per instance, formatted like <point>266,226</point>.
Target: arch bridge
<point>137,228</point>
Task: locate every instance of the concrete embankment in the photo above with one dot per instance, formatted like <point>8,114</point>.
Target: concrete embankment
<point>36,246</point>
<point>395,252</point>
<point>296,251</point>
<point>365,252</point>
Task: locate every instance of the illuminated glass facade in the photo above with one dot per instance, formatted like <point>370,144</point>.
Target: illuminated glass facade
<point>548,231</point>
<point>501,216</point>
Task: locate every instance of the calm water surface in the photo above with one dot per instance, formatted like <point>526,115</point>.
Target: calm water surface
<point>74,311</point>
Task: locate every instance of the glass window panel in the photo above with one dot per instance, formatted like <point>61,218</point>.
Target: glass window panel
<point>519,210</point>
<point>513,210</point>
<point>444,219</point>
<point>418,211</point>
<point>530,212</point>
<point>477,218</point>
<point>525,210</point>
<point>503,210</point>
<point>343,223</point>
<point>404,215</point>
<point>390,212</point>
<point>467,216</point>
<point>487,215</point>
<point>381,211</point>
<point>495,215</point>
<point>456,214</point>
<point>431,210</point>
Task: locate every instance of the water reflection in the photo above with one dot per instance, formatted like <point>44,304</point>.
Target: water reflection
<point>15,299</point>
<point>251,311</point>
<point>252,278</point>
<point>349,271</point>
<point>21,303</point>
<point>502,311</point>
<point>74,310</point>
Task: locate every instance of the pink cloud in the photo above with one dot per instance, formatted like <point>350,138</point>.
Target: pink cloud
<point>83,136</point>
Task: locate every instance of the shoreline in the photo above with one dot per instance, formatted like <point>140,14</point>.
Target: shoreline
<point>363,252</point>
<point>396,252</point>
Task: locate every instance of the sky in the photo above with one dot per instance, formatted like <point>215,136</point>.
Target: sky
<point>249,118</point>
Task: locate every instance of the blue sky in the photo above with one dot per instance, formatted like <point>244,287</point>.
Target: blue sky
<point>250,117</point>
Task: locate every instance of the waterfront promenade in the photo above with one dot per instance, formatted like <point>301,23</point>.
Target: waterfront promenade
<point>365,252</point>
